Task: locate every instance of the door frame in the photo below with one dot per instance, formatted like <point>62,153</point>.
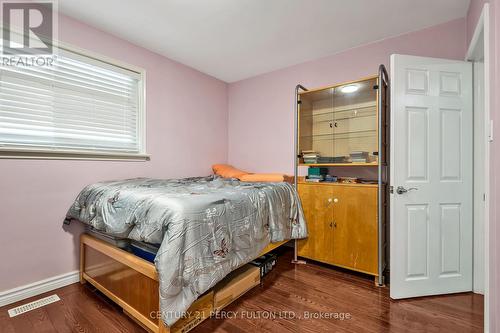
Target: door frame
<point>483,27</point>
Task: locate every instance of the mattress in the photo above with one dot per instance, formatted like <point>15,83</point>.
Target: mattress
<point>206,226</point>
<point>120,242</point>
<point>143,250</point>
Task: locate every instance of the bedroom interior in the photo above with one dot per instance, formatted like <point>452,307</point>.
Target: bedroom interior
<point>176,167</point>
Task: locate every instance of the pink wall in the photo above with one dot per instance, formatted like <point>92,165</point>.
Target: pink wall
<point>473,13</point>
<point>260,133</point>
<point>186,134</point>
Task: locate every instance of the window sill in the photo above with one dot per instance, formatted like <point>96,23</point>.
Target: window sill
<point>32,154</point>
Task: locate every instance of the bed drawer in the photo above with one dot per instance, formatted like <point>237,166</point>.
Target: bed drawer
<point>235,284</point>
<point>134,291</point>
<point>132,283</point>
<point>200,310</point>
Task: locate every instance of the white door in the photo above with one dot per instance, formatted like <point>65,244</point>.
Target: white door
<point>431,174</point>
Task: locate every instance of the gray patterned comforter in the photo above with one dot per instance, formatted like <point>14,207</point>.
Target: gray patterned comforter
<point>207,226</point>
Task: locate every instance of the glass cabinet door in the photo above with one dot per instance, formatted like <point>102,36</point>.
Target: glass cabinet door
<point>339,124</point>
<point>316,127</point>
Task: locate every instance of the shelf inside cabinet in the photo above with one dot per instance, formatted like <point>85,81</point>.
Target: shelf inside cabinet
<point>356,164</point>
<point>342,118</point>
<point>333,135</point>
<point>337,184</point>
<point>327,108</point>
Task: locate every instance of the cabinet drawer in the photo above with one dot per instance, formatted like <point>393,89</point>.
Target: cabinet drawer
<point>235,284</point>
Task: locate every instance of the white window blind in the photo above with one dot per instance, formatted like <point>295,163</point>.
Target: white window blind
<point>78,105</point>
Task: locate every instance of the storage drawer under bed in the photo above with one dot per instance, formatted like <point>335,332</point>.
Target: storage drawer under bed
<point>132,283</point>
<point>234,285</point>
<point>131,287</point>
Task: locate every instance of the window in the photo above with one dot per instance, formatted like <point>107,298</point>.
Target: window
<point>79,106</point>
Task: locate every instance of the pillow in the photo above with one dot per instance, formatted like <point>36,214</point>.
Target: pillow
<point>227,171</point>
<point>263,177</point>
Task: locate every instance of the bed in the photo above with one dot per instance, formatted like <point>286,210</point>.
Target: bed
<point>207,227</point>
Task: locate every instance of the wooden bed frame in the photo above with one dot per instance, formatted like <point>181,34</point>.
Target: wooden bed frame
<point>132,283</point>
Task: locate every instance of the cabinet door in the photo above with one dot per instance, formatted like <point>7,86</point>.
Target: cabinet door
<point>317,202</point>
<point>322,125</point>
<point>355,130</point>
<point>355,228</point>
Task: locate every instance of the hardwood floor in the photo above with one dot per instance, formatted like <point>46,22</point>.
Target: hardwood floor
<point>287,292</point>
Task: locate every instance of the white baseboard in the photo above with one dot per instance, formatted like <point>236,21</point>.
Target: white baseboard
<point>37,288</point>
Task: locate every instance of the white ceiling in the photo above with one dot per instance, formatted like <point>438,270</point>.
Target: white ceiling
<point>236,39</point>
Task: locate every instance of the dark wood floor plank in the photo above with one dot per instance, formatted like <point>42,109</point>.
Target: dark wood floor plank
<point>298,289</point>
<point>6,325</point>
<point>110,312</point>
<point>314,287</point>
<point>40,320</point>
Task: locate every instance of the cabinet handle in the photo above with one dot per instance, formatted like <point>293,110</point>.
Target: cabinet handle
<point>335,224</point>
<point>331,200</point>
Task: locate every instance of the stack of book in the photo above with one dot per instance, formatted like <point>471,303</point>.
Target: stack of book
<point>315,179</point>
<point>336,159</point>
<point>316,175</point>
<point>310,156</point>
<point>330,179</point>
<point>359,156</point>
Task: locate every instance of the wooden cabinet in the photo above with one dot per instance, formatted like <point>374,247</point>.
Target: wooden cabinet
<point>344,129</point>
<point>342,225</point>
<point>318,212</point>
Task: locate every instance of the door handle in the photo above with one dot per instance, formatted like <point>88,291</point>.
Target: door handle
<point>402,190</point>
